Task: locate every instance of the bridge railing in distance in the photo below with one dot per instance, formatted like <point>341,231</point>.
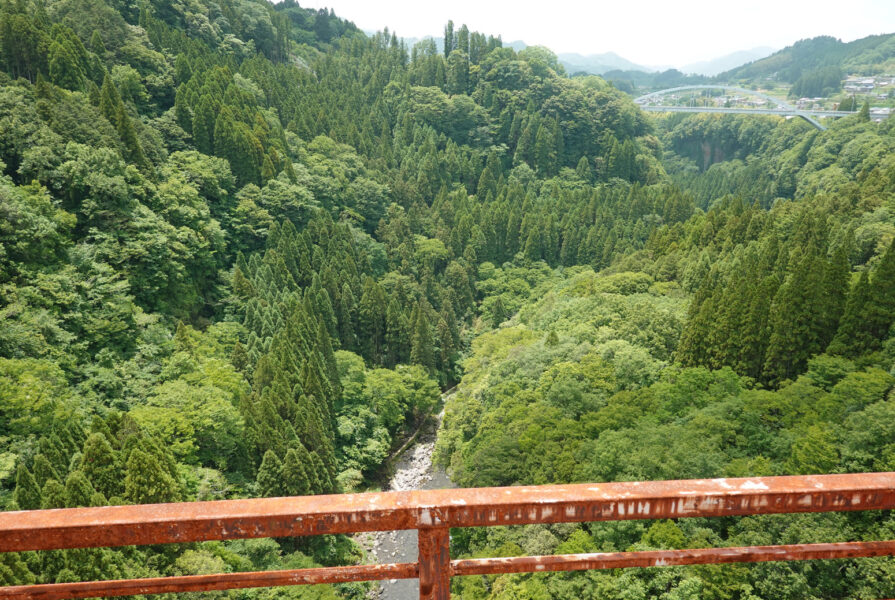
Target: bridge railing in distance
<point>433,513</point>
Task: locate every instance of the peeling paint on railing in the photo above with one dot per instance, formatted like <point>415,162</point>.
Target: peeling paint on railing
<point>432,512</point>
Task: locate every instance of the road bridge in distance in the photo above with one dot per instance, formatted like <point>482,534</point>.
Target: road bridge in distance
<point>781,108</point>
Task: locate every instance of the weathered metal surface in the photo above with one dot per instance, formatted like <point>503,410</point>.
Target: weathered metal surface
<point>668,558</point>
<point>386,511</point>
<point>435,563</point>
<point>436,569</point>
<point>201,583</point>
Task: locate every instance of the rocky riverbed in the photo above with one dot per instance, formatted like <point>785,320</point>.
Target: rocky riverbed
<point>414,471</point>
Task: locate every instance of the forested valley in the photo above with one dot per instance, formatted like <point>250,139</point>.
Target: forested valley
<point>245,246</point>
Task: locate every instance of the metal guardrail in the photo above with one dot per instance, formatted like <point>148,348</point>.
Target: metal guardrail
<point>783,112</point>
<point>433,513</point>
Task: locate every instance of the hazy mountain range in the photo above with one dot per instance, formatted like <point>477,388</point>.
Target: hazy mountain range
<point>598,63</point>
<point>610,61</point>
<point>728,62</point>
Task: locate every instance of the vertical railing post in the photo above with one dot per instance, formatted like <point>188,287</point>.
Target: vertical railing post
<point>435,563</point>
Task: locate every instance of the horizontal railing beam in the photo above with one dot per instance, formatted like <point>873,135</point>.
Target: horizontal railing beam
<point>205,583</point>
<point>670,558</point>
<point>387,511</point>
<point>481,566</point>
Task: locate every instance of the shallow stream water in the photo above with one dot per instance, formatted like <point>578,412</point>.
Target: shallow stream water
<point>414,471</point>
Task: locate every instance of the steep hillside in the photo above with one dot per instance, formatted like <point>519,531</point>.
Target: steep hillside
<point>821,57</point>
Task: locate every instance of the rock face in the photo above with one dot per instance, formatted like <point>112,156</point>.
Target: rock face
<point>414,471</point>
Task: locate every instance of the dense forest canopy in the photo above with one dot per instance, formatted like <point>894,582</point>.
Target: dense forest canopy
<point>244,246</point>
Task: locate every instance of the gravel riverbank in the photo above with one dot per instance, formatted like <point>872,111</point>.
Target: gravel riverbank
<point>414,471</point>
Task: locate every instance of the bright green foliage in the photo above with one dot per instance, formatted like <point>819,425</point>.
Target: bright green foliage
<point>146,482</point>
<point>14,570</point>
<point>32,395</point>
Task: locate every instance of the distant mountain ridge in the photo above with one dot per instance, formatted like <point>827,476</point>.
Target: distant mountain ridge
<point>599,63</point>
<point>871,55</point>
<point>726,63</point>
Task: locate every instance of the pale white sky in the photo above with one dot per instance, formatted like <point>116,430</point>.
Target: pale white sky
<point>648,32</point>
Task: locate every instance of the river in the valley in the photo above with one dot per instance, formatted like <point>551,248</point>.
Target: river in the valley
<point>414,471</point>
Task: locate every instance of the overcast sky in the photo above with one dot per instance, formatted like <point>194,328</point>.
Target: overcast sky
<point>648,32</point>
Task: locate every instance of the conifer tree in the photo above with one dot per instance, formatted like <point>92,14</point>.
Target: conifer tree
<point>320,477</point>
<point>99,425</point>
<point>97,46</point>
<point>447,352</point>
<point>796,320</point>
<point>269,481</point>
<point>583,170</point>
<point>101,465</point>
<point>498,312</point>
<point>853,336</point>
<point>864,113</point>
<point>53,494</point>
<point>324,347</point>
<point>347,317</point>
<point>486,184</point>
<point>869,311</point>
<point>182,112</point>
<point>692,350</point>
<point>239,358</point>
<point>26,495</point>
<point>78,491</point>
<point>65,71</point>
<point>880,311</point>
<point>533,250</point>
<point>449,39</point>
<point>552,339</point>
<point>204,124</point>
<point>835,292</point>
<point>372,314</point>
<point>524,147</point>
<point>545,149</point>
<point>421,351</point>
<point>43,470</point>
<point>397,335</point>
<point>146,481</point>
<point>294,476</point>
<point>754,335</point>
<point>113,109</point>
<point>51,447</point>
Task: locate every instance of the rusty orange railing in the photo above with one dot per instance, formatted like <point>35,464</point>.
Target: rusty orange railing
<point>433,513</point>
